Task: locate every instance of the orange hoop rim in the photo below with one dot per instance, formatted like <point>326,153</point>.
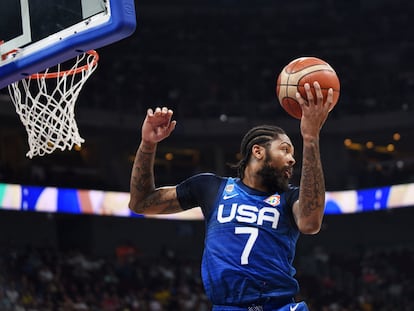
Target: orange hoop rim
<point>59,74</point>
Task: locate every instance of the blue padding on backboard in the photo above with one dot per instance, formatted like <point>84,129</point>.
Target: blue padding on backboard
<point>121,24</point>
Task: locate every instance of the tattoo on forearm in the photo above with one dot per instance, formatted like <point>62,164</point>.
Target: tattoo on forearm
<point>142,179</point>
<point>145,152</point>
<point>313,187</point>
<point>145,198</point>
<point>166,206</point>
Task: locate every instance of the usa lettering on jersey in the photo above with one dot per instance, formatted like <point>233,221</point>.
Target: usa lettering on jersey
<point>250,214</point>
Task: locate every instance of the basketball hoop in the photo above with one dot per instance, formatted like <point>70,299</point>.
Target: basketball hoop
<point>45,103</point>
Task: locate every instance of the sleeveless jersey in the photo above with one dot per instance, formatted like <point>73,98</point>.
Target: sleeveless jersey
<point>250,239</point>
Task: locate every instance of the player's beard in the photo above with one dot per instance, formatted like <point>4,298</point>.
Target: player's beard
<point>273,179</point>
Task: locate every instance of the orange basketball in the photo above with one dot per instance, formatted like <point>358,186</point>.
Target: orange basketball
<point>300,71</point>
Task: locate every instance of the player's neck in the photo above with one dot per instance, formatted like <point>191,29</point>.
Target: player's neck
<point>253,181</point>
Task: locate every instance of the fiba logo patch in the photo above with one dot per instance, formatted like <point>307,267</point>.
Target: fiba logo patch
<point>273,200</point>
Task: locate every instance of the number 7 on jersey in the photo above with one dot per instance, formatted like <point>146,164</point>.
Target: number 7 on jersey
<point>253,234</point>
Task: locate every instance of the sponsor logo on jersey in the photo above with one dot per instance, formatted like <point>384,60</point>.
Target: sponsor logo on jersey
<point>273,200</point>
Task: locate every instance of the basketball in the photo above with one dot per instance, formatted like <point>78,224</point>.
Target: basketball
<point>300,71</point>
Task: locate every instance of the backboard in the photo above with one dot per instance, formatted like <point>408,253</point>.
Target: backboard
<point>38,34</point>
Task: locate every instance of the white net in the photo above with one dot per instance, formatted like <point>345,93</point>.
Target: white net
<point>45,103</point>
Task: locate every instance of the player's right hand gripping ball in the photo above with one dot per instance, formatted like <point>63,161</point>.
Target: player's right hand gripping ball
<point>300,71</point>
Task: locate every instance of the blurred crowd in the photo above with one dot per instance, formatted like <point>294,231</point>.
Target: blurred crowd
<point>44,279</point>
<point>48,280</point>
<point>360,280</point>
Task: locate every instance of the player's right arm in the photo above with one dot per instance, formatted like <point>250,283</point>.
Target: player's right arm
<point>309,210</point>
<point>144,197</point>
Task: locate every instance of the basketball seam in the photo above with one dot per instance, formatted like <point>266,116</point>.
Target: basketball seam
<point>310,65</point>
<point>293,73</point>
<point>286,85</point>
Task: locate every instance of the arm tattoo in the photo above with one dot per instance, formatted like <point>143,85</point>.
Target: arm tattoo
<point>166,206</point>
<point>142,180</point>
<point>145,198</point>
<point>312,187</point>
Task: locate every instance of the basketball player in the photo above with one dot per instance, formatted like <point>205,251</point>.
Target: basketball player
<point>252,221</point>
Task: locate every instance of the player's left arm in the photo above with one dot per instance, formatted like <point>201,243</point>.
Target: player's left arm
<point>308,211</point>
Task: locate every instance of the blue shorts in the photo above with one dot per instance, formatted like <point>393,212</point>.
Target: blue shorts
<point>293,306</point>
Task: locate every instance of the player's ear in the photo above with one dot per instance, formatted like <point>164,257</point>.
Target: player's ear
<point>258,152</point>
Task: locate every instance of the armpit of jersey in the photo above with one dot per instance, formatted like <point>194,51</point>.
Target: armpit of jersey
<point>200,191</point>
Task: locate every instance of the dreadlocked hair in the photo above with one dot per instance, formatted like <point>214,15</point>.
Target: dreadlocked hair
<point>259,135</point>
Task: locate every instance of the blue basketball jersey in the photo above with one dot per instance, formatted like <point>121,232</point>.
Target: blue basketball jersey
<point>250,240</point>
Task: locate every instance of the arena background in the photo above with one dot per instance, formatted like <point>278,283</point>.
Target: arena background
<point>215,64</point>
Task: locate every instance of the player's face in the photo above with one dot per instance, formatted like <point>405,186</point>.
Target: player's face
<point>277,169</point>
